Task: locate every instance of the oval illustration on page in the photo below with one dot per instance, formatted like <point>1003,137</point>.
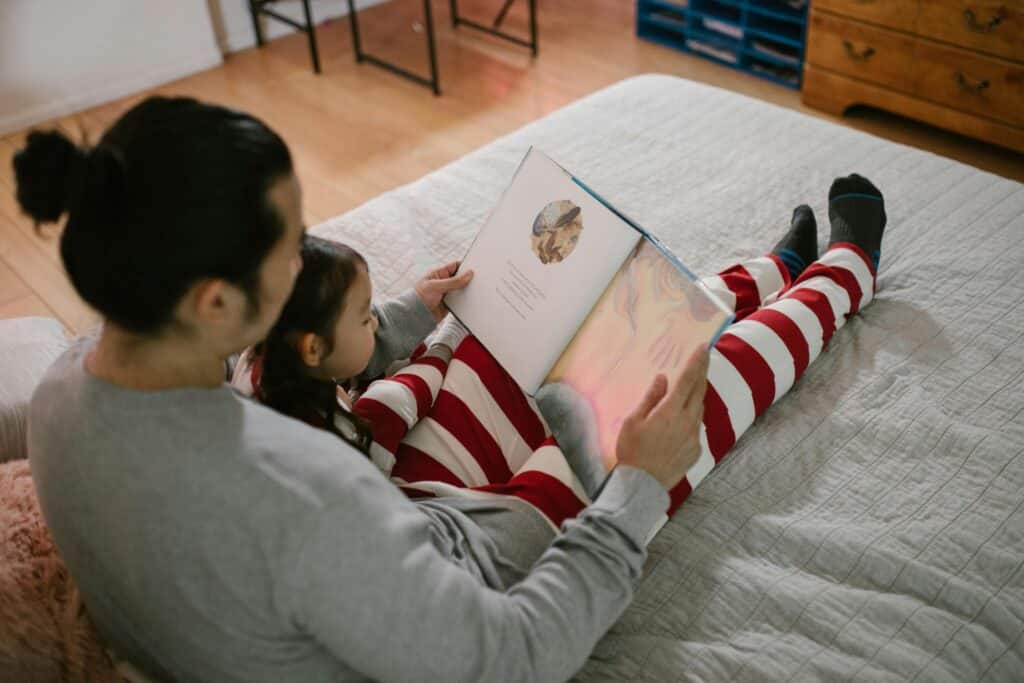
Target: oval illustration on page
<point>556,231</point>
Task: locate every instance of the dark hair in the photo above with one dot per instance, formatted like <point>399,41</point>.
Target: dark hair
<point>328,271</point>
<point>175,191</point>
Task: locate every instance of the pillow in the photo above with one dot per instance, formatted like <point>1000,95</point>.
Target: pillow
<point>45,633</point>
<point>27,348</point>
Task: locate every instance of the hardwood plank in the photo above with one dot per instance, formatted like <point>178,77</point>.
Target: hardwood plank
<point>46,279</point>
<point>16,298</point>
<point>29,305</point>
<point>11,285</point>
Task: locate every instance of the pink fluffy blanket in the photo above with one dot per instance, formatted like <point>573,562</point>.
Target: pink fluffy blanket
<point>45,634</point>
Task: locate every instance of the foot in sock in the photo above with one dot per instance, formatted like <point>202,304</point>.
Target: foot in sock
<point>799,246</point>
<point>857,213</point>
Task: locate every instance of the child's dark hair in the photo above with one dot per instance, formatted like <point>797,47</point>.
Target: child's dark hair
<point>174,192</point>
<point>328,271</point>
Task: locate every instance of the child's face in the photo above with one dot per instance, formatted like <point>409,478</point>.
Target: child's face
<point>353,333</point>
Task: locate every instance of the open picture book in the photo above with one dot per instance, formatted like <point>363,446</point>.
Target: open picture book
<point>581,306</point>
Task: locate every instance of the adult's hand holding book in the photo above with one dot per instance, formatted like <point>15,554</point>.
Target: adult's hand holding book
<point>662,434</point>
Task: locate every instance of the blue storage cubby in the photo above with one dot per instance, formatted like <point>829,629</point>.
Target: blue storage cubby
<point>761,37</point>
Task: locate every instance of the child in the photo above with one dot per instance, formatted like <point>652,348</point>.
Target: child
<point>323,340</point>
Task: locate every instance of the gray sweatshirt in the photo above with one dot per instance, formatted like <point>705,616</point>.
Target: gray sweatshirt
<point>216,540</point>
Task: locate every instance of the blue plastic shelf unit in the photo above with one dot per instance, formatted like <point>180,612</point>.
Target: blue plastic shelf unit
<point>762,37</point>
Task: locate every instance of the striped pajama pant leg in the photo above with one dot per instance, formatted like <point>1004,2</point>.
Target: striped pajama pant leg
<point>485,437</point>
<point>780,328</point>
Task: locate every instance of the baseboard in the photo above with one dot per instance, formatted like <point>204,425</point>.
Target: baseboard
<point>20,120</point>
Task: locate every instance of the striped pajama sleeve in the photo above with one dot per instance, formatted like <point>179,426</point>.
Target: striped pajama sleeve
<point>394,404</point>
<point>781,328</point>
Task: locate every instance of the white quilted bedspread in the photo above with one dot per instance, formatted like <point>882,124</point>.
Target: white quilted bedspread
<point>870,527</point>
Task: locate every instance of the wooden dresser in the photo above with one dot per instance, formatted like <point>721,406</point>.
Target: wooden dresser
<point>952,63</point>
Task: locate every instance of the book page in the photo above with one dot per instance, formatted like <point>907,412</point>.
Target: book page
<point>650,320</point>
<point>540,263</point>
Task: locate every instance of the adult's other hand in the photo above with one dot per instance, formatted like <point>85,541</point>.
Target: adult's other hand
<point>662,434</point>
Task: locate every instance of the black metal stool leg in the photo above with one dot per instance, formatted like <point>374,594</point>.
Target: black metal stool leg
<point>311,32</point>
<point>254,11</point>
<point>501,15</point>
<point>455,13</point>
<point>433,82</point>
<point>430,47</point>
<point>354,23</point>
<point>258,7</point>
<point>533,27</point>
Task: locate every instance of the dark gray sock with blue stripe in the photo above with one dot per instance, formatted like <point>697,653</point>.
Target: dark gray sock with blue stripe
<point>799,247</point>
<point>857,213</point>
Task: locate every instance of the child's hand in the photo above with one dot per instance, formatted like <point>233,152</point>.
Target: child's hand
<point>449,333</point>
<point>439,282</point>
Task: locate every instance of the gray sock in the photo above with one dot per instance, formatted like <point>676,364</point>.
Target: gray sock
<point>856,210</point>
<point>799,246</point>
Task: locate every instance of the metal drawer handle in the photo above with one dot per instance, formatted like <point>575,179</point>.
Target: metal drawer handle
<point>973,89</point>
<point>852,53</point>
<point>975,25</point>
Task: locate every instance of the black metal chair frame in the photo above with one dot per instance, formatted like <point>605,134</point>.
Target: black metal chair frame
<point>494,28</point>
<point>433,82</point>
<point>258,7</point>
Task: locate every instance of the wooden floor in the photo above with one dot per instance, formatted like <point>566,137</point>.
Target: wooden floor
<point>357,131</point>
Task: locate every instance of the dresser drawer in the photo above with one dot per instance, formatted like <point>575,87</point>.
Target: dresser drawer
<point>996,28</point>
<point>900,14</point>
<point>859,50</point>
<point>964,80</point>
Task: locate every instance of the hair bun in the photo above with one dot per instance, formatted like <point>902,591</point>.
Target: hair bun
<point>49,173</point>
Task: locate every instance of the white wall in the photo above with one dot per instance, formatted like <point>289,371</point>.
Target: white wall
<point>233,25</point>
<point>61,56</point>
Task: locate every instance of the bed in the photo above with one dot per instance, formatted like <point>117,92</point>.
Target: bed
<point>870,527</point>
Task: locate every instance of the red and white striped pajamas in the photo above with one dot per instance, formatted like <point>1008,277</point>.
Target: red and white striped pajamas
<point>470,430</point>
<point>465,428</point>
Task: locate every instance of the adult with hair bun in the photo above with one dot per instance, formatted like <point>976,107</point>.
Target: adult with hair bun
<point>214,539</point>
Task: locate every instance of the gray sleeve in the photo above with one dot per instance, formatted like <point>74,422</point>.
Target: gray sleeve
<point>403,323</point>
<point>370,583</point>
